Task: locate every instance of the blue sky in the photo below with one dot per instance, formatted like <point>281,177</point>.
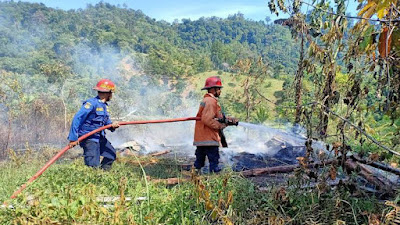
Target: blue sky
<point>178,9</point>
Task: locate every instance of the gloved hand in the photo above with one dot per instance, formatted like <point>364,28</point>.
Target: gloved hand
<point>223,126</point>
<point>232,121</point>
<point>115,125</point>
<point>72,144</point>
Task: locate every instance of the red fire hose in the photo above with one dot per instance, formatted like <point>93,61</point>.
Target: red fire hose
<point>60,153</point>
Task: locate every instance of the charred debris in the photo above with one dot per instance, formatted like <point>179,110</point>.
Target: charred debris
<point>309,164</point>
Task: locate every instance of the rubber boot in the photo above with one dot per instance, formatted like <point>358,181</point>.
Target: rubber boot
<point>106,164</point>
<point>215,170</point>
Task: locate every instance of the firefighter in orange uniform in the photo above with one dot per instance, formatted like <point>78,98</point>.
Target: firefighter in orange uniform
<point>208,130</point>
<point>92,115</point>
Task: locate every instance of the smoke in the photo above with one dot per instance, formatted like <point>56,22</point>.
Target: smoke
<point>143,97</point>
<point>258,139</point>
<point>103,61</point>
<point>152,102</point>
<point>24,39</point>
<point>138,97</point>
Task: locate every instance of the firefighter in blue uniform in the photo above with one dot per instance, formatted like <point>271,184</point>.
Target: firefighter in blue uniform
<point>92,115</point>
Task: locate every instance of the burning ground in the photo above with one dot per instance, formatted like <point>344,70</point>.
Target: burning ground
<point>270,156</point>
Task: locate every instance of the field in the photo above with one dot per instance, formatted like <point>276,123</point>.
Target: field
<point>135,191</point>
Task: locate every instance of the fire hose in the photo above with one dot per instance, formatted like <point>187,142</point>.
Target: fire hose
<point>66,148</point>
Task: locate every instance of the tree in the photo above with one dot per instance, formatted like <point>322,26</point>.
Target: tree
<point>334,47</point>
<point>255,71</point>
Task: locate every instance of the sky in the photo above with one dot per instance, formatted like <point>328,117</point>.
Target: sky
<point>169,10</point>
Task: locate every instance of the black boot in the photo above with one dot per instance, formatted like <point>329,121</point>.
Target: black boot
<point>106,167</point>
<point>215,170</point>
<point>106,164</point>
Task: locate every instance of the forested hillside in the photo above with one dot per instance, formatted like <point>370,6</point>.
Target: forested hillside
<point>50,58</point>
<point>35,38</point>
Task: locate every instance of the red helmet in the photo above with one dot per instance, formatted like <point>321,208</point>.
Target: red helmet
<point>212,82</point>
<point>105,85</point>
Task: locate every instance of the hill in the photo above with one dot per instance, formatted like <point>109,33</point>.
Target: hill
<point>34,36</point>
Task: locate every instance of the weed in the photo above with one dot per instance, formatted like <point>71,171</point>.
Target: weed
<point>70,194</point>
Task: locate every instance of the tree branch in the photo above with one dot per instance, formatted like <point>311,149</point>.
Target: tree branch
<point>350,17</point>
<point>350,123</point>
<point>264,97</point>
<point>360,130</point>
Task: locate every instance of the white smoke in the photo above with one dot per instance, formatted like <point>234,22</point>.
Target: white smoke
<point>155,104</point>
<point>259,140</point>
<point>143,97</point>
<point>139,97</point>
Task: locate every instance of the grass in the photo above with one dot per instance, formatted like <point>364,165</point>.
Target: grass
<point>67,193</point>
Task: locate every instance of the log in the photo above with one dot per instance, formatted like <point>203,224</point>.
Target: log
<point>171,181</point>
<point>381,179</point>
<point>161,153</point>
<point>313,185</point>
<point>353,166</point>
<point>108,199</point>
<point>377,165</point>
<point>282,169</point>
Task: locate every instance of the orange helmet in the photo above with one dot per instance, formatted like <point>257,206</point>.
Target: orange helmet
<point>212,82</point>
<point>105,85</point>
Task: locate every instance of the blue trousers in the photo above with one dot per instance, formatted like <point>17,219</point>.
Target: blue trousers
<point>92,151</point>
<point>212,153</point>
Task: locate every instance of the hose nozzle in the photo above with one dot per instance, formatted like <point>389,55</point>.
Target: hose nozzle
<point>231,122</point>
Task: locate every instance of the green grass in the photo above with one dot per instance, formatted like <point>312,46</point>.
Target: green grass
<point>66,194</point>
<point>198,81</point>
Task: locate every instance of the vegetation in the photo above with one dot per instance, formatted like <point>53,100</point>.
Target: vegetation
<point>70,192</point>
<point>335,75</point>
<point>53,38</point>
<point>345,87</point>
<point>232,99</point>
<point>50,58</point>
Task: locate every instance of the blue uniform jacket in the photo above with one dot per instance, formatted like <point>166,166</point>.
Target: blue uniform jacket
<point>92,115</point>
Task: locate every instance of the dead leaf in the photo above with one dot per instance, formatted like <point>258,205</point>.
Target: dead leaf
<point>374,157</point>
<point>382,43</point>
<point>332,172</point>
<point>373,219</point>
<point>336,144</point>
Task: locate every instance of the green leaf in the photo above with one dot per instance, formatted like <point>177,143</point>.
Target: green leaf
<point>367,38</point>
<point>54,201</point>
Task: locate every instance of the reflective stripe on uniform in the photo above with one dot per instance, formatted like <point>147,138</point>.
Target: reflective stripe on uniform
<point>206,143</point>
